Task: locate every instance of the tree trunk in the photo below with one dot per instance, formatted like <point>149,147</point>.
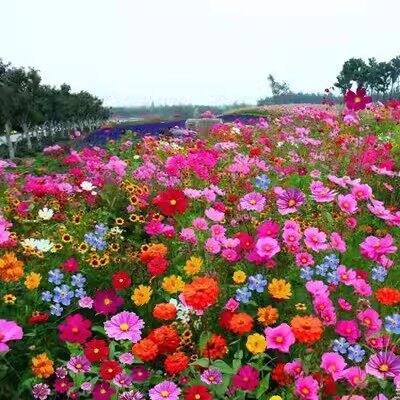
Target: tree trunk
<point>27,135</point>
<point>11,152</point>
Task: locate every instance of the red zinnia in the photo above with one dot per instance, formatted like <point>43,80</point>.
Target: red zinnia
<point>38,318</point>
<point>75,329</point>
<point>166,338</point>
<point>176,363</point>
<point>109,369</point>
<point>121,280</point>
<point>96,350</point>
<point>216,347</point>
<point>157,266</point>
<point>197,392</point>
<point>171,202</point>
<point>201,293</point>
<point>388,296</point>
<point>358,100</point>
<point>146,350</point>
<point>279,375</point>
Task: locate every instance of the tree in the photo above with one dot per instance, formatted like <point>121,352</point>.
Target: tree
<point>353,70</point>
<point>278,88</point>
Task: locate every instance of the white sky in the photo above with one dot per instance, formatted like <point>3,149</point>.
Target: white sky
<point>130,52</point>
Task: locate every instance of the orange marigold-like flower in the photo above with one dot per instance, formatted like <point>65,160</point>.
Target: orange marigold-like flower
<point>241,323</point>
<point>306,329</point>
<point>152,251</point>
<point>176,363</point>
<point>268,315</point>
<point>388,296</point>
<point>201,293</point>
<point>216,347</point>
<point>164,311</point>
<point>146,350</point>
<point>11,269</point>
<point>42,366</point>
<point>166,338</point>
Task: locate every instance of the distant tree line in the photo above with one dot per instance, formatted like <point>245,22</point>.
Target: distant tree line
<point>380,79</point>
<point>26,103</point>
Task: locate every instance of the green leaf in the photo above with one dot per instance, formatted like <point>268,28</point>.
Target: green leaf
<point>263,386</point>
<point>202,362</point>
<point>204,338</point>
<point>223,367</point>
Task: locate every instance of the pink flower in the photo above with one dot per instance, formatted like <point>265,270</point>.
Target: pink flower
<point>200,224</point>
<point>280,337</point>
<point>230,255</point>
<point>217,231</point>
<point>317,288</point>
<point>288,200</point>
<point>315,239</point>
<point>124,326</point>
<point>351,222</point>
<point>333,364</point>
<point>347,203</point>
<point>354,375</point>
<point>346,276</point>
<point>294,368</point>
<point>231,305</point>
<point>361,191</point>
<point>307,388</point>
<point>353,397</point>
<point>373,248</point>
<point>362,287</point>
<point>9,330</point>
<point>344,305</point>
<point>337,243</point>
<point>212,246</point>
<point>291,237</point>
<point>267,247</point>
<point>188,235</point>
<point>268,228</point>
<point>320,193</point>
<point>304,259</point>
<point>348,329</point>
<point>247,378</point>
<point>370,319</point>
<point>252,202</point>
<point>214,215</point>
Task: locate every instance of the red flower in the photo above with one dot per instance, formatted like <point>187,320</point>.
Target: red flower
<point>171,202</point>
<point>121,280</point>
<point>106,302</point>
<point>166,338</point>
<point>157,266</point>
<point>201,293</point>
<point>176,363</point>
<point>96,350</point>
<point>197,392</point>
<point>62,385</point>
<point>357,101</point>
<point>216,347</point>
<point>38,318</point>
<point>279,375</point>
<point>71,265</point>
<point>109,369</point>
<point>76,329</point>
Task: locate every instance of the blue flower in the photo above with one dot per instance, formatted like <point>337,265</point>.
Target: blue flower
<point>257,283</point>
<point>55,276</point>
<point>322,269</point>
<point>243,295</point>
<point>332,277</point>
<point>47,296</point>
<point>78,280</point>
<point>332,260</point>
<point>100,229</point>
<point>56,309</point>
<point>340,345</point>
<point>306,273</point>
<point>355,353</point>
<point>79,293</point>
<point>262,182</point>
<point>63,295</point>
<point>94,241</point>
<point>379,273</point>
<point>393,323</point>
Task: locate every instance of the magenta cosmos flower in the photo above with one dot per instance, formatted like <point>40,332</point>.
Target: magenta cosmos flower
<point>79,364</point>
<point>9,330</point>
<point>383,364</point>
<point>357,100</point>
<point>267,247</point>
<point>347,203</point>
<point>106,301</point>
<point>315,239</point>
<point>247,378</point>
<point>252,202</point>
<point>289,200</point>
<point>333,364</point>
<point>280,337</point>
<point>374,248</point>
<point>307,388</point>
<point>124,326</point>
<point>165,391</point>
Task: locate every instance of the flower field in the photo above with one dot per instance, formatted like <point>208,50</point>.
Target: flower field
<point>261,263</point>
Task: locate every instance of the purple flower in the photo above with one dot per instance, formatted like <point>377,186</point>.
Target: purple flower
<point>383,364</point>
<point>79,364</point>
<point>40,391</point>
<point>126,358</point>
<point>289,200</point>
<point>132,395</point>
<point>122,380</point>
<point>124,326</point>
<point>165,391</point>
<point>252,202</point>
<point>140,373</point>
<point>211,376</point>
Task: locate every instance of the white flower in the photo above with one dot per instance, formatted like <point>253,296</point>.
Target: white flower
<point>87,186</point>
<point>44,245</point>
<point>136,157</point>
<point>46,213</point>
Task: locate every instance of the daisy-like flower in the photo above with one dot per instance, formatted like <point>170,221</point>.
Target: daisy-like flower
<point>165,391</point>
<point>383,364</point>
<point>124,326</point>
<point>211,376</point>
<point>289,200</point>
<point>252,202</point>
<point>79,364</point>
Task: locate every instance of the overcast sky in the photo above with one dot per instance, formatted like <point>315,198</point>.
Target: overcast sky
<point>131,52</point>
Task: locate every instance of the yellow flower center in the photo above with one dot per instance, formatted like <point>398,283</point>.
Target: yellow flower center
<point>252,201</point>
<point>357,99</point>
<point>172,202</point>
<point>305,391</point>
<point>124,326</point>
<point>292,203</point>
<point>107,302</point>
<point>384,368</point>
<point>279,339</point>
<point>164,393</point>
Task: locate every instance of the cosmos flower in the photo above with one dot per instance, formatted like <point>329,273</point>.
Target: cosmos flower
<point>124,326</point>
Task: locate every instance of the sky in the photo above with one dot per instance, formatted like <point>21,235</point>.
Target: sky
<point>133,52</point>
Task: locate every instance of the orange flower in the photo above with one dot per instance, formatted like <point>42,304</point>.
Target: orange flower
<point>152,251</point>
<point>201,293</point>
<point>42,366</point>
<point>388,296</point>
<point>164,311</point>
<point>11,269</point>
<point>176,363</point>
<point>241,323</point>
<point>268,315</point>
<point>166,338</point>
<point>146,350</point>
<point>307,329</point>
<point>216,347</point>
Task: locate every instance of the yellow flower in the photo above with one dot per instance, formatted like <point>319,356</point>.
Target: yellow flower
<point>268,315</point>
<point>32,280</point>
<point>9,299</point>
<point>173,284</point>
<point>280,289</point>
<point>42,366</point>
<point>141,295</point>
<point>276,398</point>
<point>193,266</point>
<point>301,307</point>
<point>239,277</point>
<point>256,343</point>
